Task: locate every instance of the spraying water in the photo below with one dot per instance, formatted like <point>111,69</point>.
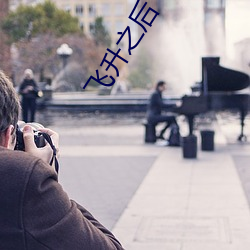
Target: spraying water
<point>187,31</point>
<point>176,44</point>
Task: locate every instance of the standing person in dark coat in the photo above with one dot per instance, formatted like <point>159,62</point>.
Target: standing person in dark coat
<point>35,212</point>
<point>154,110</point>
<point>29,91</point>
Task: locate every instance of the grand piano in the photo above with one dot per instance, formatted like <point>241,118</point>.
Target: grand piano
<point>220,89</point>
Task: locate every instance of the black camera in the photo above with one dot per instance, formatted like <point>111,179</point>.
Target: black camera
<point>38,137</point>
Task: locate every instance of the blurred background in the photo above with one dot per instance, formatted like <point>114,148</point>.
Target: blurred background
<point>33,30</point>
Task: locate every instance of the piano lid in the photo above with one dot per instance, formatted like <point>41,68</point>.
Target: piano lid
<point>218,78</point>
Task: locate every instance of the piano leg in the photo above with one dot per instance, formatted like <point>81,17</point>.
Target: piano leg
<point>190,123</point>
<point>243,114</point>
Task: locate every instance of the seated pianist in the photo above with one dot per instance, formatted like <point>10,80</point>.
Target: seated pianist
<point>155,107</point>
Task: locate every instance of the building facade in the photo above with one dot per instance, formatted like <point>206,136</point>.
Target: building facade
<point>15,3</point>
<point>114,13</point>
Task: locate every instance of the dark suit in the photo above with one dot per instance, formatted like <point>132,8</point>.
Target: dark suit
<point>154,110</point>
<point>36,214</point>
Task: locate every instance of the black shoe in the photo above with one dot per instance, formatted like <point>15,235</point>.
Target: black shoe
<point>160,137</point>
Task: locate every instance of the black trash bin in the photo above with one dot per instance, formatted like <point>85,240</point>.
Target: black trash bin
<point>150,133</point>
<point>189,146</point>
<point>207,140</point>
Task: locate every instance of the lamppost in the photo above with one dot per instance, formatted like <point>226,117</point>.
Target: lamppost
<point>64,51</point>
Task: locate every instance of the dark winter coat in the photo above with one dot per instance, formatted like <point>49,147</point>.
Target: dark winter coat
<point>32,93</point>
<point>36,214</point>
<point>155,104</point>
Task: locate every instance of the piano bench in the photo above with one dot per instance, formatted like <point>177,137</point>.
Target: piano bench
<point>150,132</point>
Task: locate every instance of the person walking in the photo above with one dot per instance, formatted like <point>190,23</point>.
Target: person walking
<point>29,92</point>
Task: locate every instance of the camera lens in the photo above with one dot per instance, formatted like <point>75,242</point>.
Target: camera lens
<point>38,137</point>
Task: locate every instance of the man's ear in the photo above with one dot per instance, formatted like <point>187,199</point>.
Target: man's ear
<point>7,139</point>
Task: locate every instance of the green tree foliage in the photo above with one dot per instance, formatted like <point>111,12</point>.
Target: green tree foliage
<point>141,74</point>
<point>42,18</point>
<point>100,34</point>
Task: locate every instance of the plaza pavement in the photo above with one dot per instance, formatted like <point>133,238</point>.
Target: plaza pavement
<point>175,203</point>
<point>189,204</point>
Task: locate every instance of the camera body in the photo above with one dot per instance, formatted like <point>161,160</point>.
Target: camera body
<point>38,137</point>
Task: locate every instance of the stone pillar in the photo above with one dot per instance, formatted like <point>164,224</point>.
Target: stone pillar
<point>5,58</point>
<point>214,27</point>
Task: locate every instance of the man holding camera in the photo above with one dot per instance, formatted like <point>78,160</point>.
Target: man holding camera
<point>35,212</point>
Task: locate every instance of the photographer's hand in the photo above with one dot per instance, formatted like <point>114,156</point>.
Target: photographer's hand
<point>45,153</point>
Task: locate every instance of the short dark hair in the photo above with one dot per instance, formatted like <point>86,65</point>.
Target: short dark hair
<point>159,84</point>
<point>9,104</point>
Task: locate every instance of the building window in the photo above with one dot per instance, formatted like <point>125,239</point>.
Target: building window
<point>92,10</point>
<point>91,27</point>
<point>119,9</point>
<point>171,4</point>
<point>82,26</point>
<point>214,4</point>
<point>67,8</point>
<point>119,26</point>
<point>105,9</point>
<point>79,10</point>
<point>107,25</point>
